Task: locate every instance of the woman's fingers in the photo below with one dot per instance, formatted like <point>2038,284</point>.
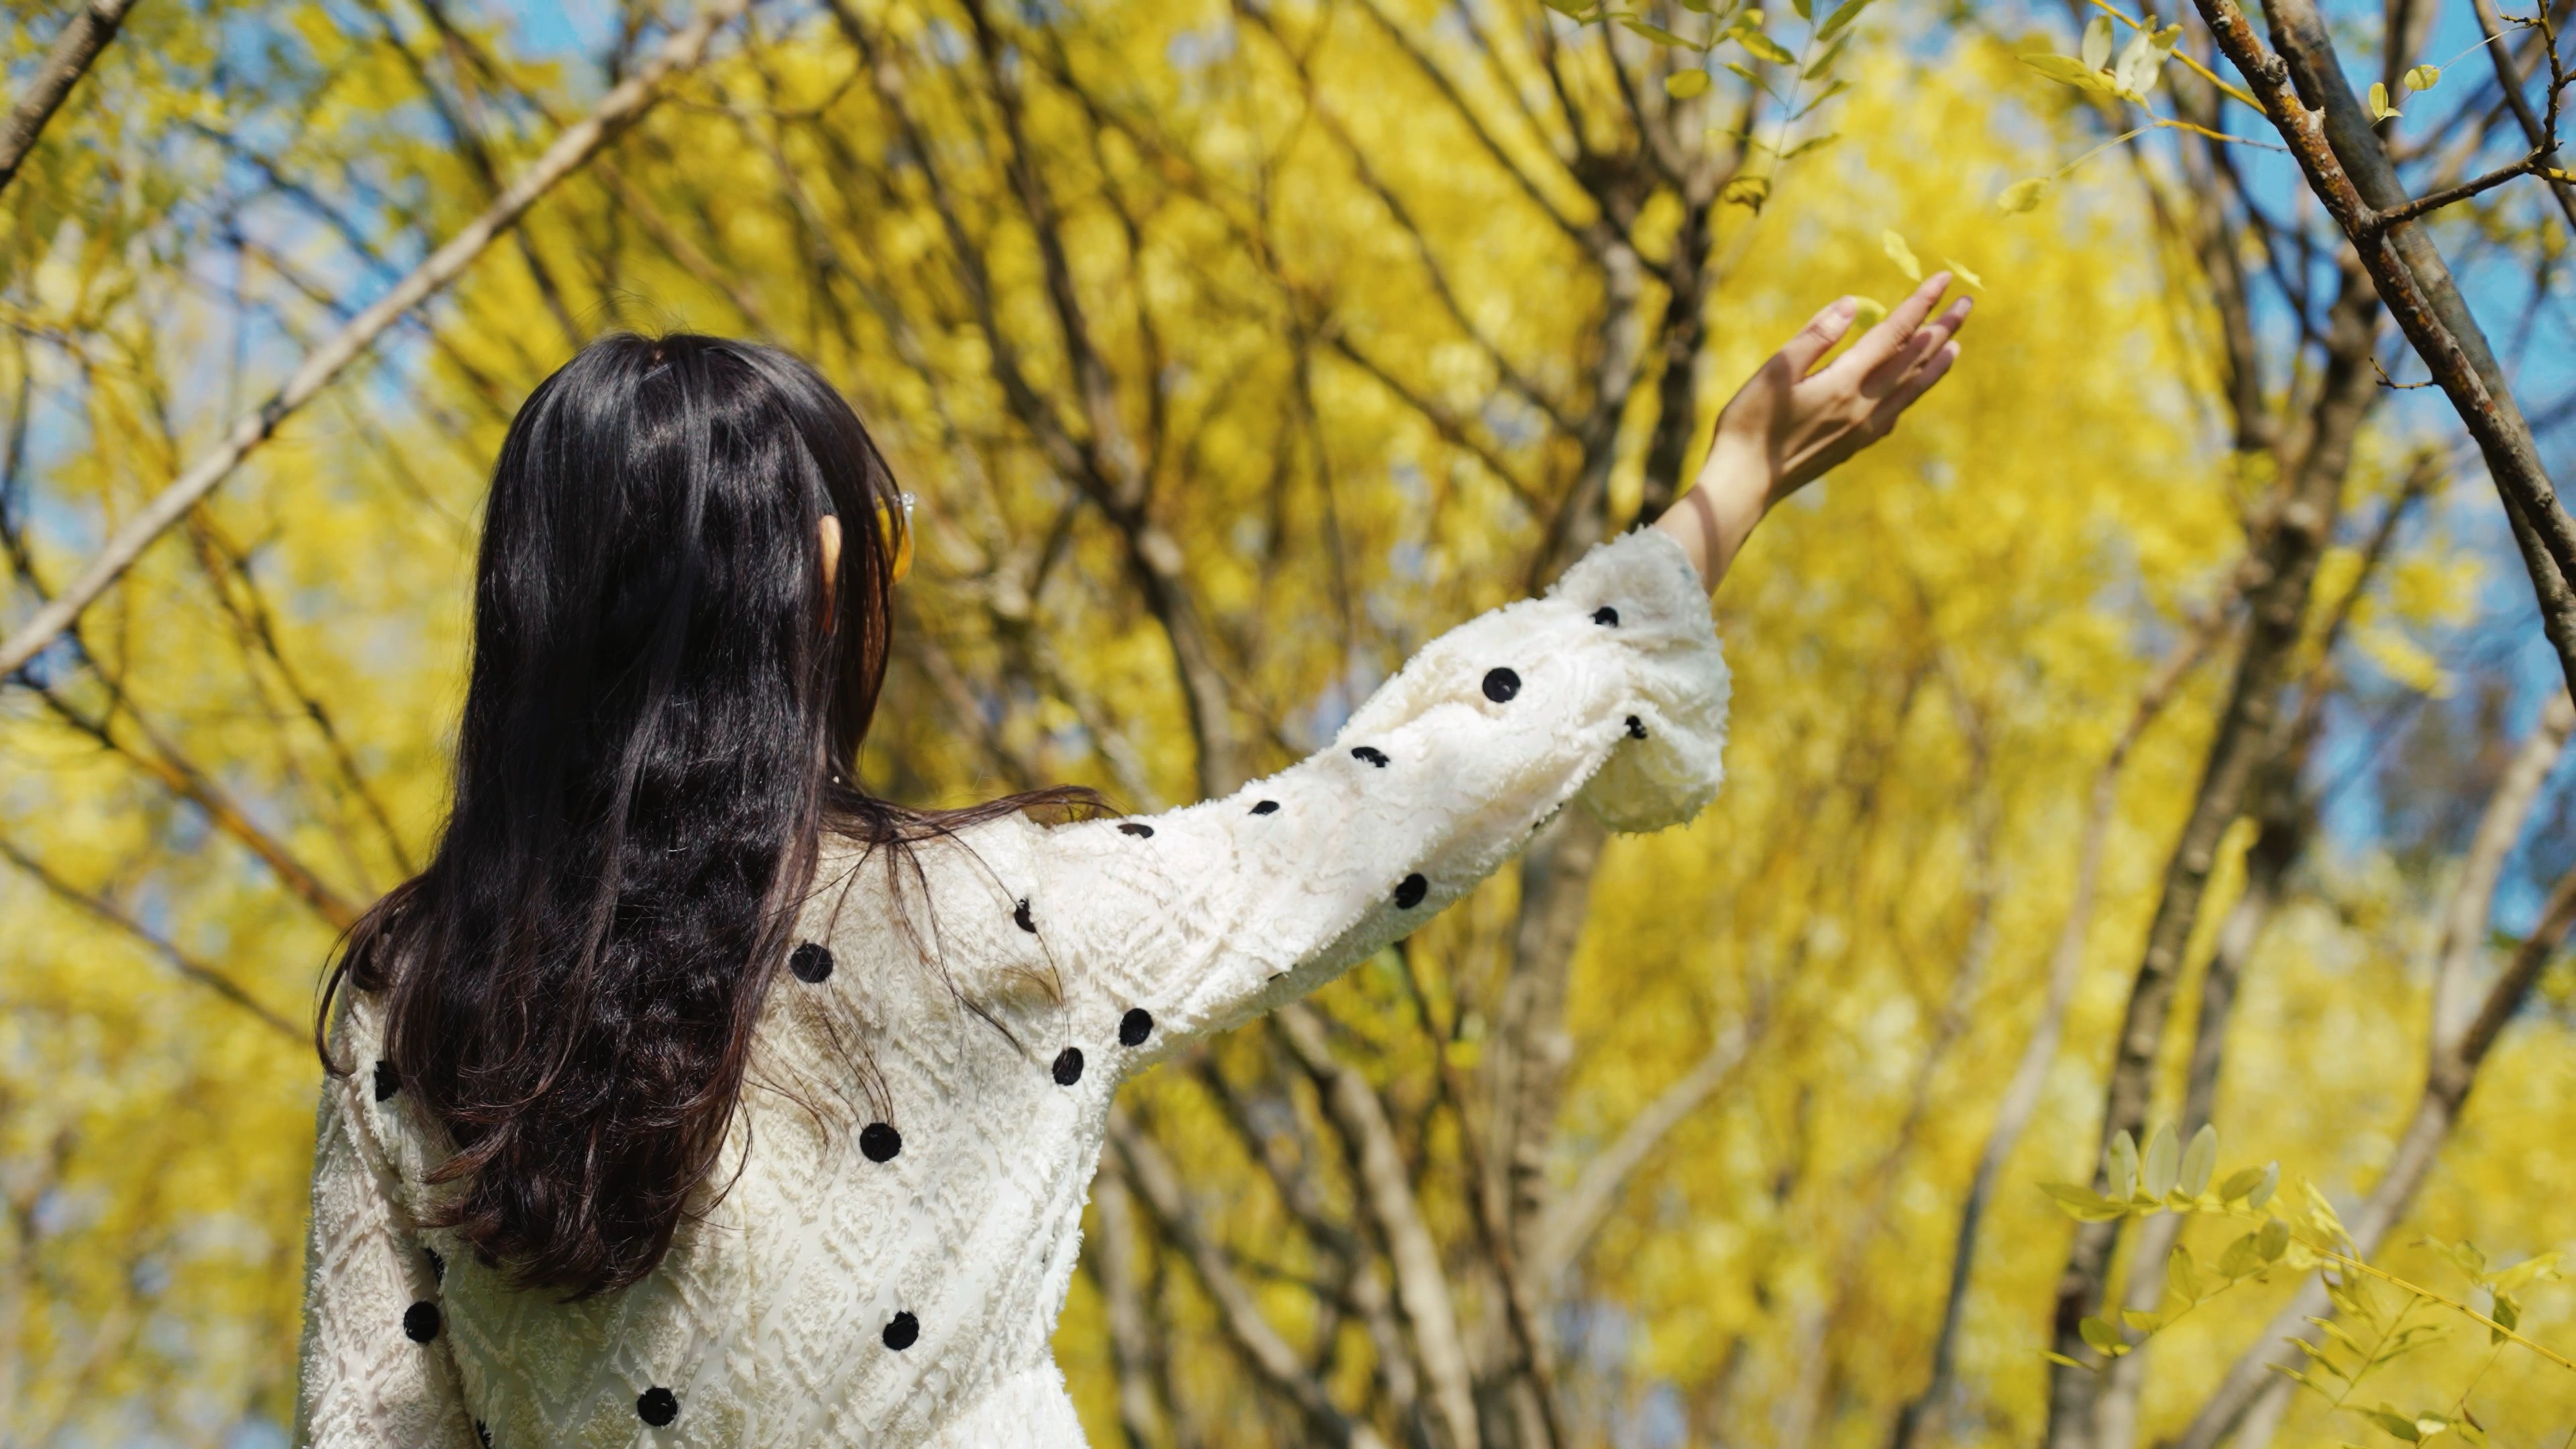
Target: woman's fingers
<point>1881,342</point>
<point>1946,326</point>
<point>1890,375</point>
<point>1818,337</point>
<point>1934,368</point>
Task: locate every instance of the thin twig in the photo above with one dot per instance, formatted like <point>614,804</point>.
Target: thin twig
<point>186,965</point>
<point>84,36</point>
<point>622,107</point>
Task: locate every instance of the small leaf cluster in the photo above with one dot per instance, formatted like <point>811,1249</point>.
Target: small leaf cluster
<point>2378,1317</point>
<point>2368,1332</point>
<point>2128,77</point>
<point>2418,78</point>
<point>2504,1285</point>
<point>2171,1177</point>
<point>1741,26</point>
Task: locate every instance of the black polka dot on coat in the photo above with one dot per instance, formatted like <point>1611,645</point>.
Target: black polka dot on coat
<point>1370,753</point>
<point>811,964</point>
<point>388,1081</point>
<point>657,1406</point>
<point>902,1331</point>
<point>879,1142</point>
<point>1266,807</point>
<point>1135,1026</point>
<point>1606,617</point>
<point>1501,685</point>
<point>1410,893</point>
<point>1636,728</point>
<point>1068,1066</point>
<point>420,1321</point>
<point>437,1265</point>
<point>1020,913</point>
<point>1141,832</point>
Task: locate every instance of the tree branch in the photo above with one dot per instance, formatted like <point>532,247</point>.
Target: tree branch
<point>1271,1357</point>
<point>210,977</point>
<point>2509,80</point>
<point>2451,1070</point>
<point>82,38</point>
<point>1421,1284</point>
<point>1577,1213</point>
<point>2286,558</point>
<point>2309,102</point>
<point>622,106</point>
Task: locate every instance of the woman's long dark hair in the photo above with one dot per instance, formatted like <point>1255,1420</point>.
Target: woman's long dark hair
<point>658,720</point>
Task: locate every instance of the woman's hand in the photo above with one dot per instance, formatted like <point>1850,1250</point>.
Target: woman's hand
<point>1792,422</point>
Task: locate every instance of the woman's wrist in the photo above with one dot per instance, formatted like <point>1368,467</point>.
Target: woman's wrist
<point>1730,495</point>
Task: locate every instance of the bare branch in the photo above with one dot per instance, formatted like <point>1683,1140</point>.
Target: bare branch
<point>1405,224</point>
<point>2451,1071</point>
<point>1576,1214</point>
<point>2286,556</point>
<point>175,772</point>
<point>248,607</point>
<point>1421,1284</point>
<point>1131,1338</point>
<point>1269,1354</point>
<point>2453,195</point>
<point>2472,902</point>
<point>2022,1092</point>
<point>2509,80</point>
<point>630,100</point>
<point>186,965</point>
<point>1451,428</point>
<point>1588,235</point>
<point>83,37</point>
<point>2311,104</point>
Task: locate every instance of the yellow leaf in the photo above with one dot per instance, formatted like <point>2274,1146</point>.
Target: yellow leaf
<point>1960,271</point>
<point>2097,43</point>
<point>2023,195</point>
<point>1761,45</point>
<point>2423,77</point>
<point>1867,312</point>
<point>1681,85</point>
<point>2401,658</point>
<point>2380,109</point>
<point>1901,254</point>
<point>1842,18</point>
<point>1655,33</point>
<point>2067,70</point>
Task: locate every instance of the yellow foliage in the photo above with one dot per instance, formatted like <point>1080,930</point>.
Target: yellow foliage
<point>1933,652</point>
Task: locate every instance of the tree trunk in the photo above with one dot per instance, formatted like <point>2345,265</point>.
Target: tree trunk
<point>2287,559</point>
<point>2251,1390</point>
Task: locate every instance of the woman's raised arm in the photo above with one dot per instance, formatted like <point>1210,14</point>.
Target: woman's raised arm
<point>1609,691</point>
<point>1793,421</point>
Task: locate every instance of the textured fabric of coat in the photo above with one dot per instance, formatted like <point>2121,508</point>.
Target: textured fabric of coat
<point>904,1183</point>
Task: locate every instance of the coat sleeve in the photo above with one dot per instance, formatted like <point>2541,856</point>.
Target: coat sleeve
<point>1609,691</point>
<point>376,1369</point>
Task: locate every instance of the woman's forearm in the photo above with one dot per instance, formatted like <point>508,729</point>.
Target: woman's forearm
<point>1713,519</point>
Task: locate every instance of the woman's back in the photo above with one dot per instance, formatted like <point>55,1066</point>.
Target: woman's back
<point>694,1096</point>
<point>887,1240</point>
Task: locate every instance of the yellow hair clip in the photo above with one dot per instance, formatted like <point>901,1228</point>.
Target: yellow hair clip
<point>901,535</point>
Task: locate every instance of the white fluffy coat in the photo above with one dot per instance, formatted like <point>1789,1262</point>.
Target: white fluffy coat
<point>769,1321</point>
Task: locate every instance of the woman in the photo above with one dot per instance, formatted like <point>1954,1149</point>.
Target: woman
<point>692,1096</point>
